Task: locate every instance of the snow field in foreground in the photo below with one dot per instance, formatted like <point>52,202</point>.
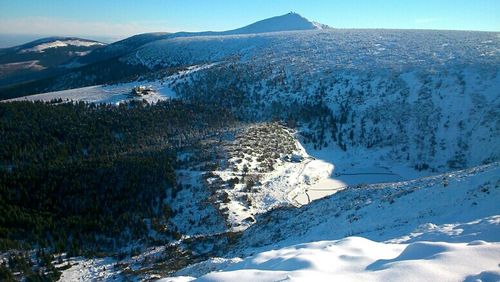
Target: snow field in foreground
<point>360,259</point>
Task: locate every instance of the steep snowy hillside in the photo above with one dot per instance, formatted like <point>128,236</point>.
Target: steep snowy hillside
<point>453,210</point>
<point>434,106</point>
<point>451,207</point>
<point>441,227</point>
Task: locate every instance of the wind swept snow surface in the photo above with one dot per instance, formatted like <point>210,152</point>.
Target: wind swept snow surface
<point>440,228</point>
<point>359,259</point>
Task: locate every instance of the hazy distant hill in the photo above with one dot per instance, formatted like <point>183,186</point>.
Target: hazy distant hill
<point>42,58</point>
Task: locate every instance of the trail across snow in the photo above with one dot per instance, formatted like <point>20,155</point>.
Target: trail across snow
<point>317,188</point>
<point>344,170</point>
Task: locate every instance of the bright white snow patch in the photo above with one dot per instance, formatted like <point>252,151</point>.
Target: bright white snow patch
<point>60,43</point>
<point>360,259</point>
<point>89,270</point>
<point>104,94</point>
<point>119,93</point>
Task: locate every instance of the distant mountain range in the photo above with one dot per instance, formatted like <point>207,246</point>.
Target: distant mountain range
<point>287,22</point>
<point>42,58</point>
<point>29,68</point>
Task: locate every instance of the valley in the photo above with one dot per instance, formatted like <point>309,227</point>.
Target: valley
<point>283,150</point>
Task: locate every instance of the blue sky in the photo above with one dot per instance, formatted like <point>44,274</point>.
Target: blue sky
<point>121,18</point>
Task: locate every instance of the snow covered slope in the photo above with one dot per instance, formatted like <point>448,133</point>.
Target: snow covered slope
<point>435,106</point>
<point>394,212</point>
<point>337,48</point>
<point>359,259</point>
<point>106,94</point>
<point>445,227</point>
<point>116,93</point>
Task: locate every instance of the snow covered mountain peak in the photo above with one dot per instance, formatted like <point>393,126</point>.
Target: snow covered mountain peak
<point>287,22</point>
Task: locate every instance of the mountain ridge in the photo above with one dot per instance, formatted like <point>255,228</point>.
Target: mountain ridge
<point>106,57</point>
<point>287,22</point>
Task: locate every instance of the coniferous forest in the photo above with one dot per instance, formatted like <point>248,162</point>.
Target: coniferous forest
<point>81,178</point>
